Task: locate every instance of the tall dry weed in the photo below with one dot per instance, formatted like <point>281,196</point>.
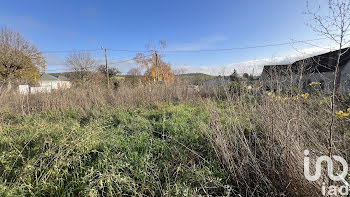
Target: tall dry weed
<point>86,97</point>
<point>261,139</point>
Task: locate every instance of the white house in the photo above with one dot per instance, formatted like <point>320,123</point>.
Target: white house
<point>54,82</point>
<point>46,84</point>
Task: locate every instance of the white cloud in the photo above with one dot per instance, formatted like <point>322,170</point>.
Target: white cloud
<point>253,66</point>
<point>57,63</point>
<point>122,64</point>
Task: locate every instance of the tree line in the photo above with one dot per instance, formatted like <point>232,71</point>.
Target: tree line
<point>22,62</point>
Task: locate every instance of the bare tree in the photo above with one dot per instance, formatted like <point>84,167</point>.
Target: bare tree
<point>335,26</point>
<point>19,59</point>
<point>134,72</point>
<point>81,63</point>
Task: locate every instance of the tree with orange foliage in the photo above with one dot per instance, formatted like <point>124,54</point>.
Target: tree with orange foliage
<point>156,68</point>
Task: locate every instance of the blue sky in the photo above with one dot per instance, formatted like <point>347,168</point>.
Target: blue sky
<point>184,24</point>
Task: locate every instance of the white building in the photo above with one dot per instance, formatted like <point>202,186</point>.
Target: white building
<point>54,82</point>
<point>47,83</point>
<point>318,69</point>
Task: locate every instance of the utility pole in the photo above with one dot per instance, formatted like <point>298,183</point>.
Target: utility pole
<point>157,65</point>
<point>107,75</point>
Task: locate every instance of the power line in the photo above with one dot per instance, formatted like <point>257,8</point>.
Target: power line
<point>63,64</point>
<point>122,58</point>
<point>56,69</point>
<point>131,51</point>
<point>132,59</point>
<point>199,50</point>
<point>248,47</point>
<point>222,49</point>
<point>121,61</point>
<point>314,45</point>
<point>70,51</point>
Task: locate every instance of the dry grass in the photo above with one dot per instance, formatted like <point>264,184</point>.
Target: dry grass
<point>258,139</point>
<point>261,140</point>
<point>86,97</point>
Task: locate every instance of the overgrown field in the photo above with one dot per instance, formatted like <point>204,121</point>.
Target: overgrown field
<point>108,152</point>
<point>102,144</point>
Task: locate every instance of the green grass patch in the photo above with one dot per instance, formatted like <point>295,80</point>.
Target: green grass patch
<point>109,152</point>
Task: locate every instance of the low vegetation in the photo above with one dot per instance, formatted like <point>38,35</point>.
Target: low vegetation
<point>162,140</point>
<point>155,134</point>
<point>109,152</point>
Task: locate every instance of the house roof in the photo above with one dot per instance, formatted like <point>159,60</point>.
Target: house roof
<point>317,64</point>
<point>325,62</point>
<point>46,77</point>
<point>63,78</point>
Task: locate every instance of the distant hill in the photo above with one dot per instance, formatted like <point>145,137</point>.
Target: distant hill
<point>192,78</point>
<point>195,78</point>
<point>195,74</point>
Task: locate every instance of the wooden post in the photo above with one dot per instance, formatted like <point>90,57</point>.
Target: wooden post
<point>157,65</point>
<point>107,74</point>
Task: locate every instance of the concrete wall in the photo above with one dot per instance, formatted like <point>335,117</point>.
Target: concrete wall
<point>43,89</point>
<point>66,84</point>
<point>345,78</point>
<point>23,89</point>
<point>56,84</point>
<point>326,78</point>
<point>294,80</point>
<point>52,84</point>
